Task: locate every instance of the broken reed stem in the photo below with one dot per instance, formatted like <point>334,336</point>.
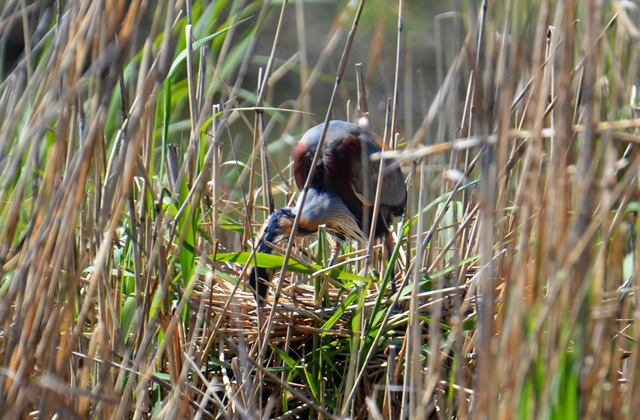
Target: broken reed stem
<point>396,79</point>
<point>361,90</point>
<point>216,181</point>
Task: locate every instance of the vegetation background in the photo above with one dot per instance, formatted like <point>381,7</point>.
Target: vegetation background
<point>140,148</point>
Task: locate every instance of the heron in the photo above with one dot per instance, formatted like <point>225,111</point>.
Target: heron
<point>337,196</point>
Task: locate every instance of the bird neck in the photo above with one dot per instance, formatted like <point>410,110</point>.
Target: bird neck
<point>277,229</point>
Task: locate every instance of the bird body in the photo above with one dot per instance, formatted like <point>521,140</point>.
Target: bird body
<point>345,163</point>
<point>342,190</point>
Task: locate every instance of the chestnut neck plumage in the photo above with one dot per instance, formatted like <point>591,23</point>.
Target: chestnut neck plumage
<point>320,208</point>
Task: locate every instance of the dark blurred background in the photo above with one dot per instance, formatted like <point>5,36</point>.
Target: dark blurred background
<point>374,47</point>
<point>427,25</point>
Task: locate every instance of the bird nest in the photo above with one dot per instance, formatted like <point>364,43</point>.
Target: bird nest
<point>236,315</point>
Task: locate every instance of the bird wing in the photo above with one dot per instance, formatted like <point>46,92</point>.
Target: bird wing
<point>303,158</point>
<point>393,191</point>
<point>343,176</point>
<point>351,172</point>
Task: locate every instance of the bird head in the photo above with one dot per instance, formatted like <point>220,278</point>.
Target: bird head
<point>278,227</point>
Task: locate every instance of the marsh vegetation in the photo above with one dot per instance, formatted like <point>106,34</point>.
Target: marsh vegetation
<point>143,144</point>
